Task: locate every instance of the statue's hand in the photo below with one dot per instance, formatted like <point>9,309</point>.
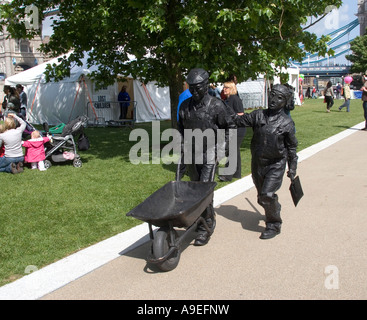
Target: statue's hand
<point>291,174</point>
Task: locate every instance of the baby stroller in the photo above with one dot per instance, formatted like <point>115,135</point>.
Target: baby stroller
<point>62,146</point>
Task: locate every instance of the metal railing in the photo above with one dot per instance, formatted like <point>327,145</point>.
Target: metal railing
<point>107,113</point>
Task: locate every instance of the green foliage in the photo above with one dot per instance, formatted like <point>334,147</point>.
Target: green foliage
<point>242,37</point>
<point>359,54</point>
<point>169,37</point>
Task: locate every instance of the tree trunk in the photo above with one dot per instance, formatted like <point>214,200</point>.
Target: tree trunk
<point>174,72</point>
<point>175,87</point>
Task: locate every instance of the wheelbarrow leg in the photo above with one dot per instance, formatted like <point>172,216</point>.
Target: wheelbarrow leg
<point>151,234</point>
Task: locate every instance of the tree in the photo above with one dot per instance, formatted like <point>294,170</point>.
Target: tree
<point>359,54</point>
<point>169,37</point>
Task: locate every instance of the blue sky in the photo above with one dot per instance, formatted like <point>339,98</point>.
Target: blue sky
<point>337,19</point>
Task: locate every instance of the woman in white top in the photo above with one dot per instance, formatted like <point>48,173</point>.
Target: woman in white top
<point>12,162</point>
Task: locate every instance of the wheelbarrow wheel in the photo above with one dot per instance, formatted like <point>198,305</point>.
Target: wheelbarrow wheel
<point>161,247</point>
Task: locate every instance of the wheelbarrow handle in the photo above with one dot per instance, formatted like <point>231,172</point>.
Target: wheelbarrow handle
<point>181,168</point>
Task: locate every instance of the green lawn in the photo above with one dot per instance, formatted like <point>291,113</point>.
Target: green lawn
<point>46,216</point>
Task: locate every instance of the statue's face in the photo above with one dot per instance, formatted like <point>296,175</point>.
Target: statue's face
<point>277,100</point>
<point>198,90</point>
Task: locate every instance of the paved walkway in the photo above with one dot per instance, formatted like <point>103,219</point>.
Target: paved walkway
<point>320,253</point>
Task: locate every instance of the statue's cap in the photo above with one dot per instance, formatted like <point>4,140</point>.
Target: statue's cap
<point>196,76</point>
<point>285,90</point>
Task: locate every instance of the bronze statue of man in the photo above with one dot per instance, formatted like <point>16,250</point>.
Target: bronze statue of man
<point>273,145</point>
<point>203,112</point>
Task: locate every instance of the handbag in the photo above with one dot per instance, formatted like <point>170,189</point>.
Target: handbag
<point>83,142</point>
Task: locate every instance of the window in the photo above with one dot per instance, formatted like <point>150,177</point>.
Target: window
<point>23,46</point>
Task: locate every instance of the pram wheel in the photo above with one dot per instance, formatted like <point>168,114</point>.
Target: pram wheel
<point>161,246</point>
<point>77,163</point>
<point>48,164</point>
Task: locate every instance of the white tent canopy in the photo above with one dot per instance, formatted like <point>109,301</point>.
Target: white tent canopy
<point>254,92</point>
<point>59,102</point>
<point>293,72</point>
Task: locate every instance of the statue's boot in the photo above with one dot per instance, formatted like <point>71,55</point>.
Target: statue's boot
<point>272,215</point>
<point>203,236</point>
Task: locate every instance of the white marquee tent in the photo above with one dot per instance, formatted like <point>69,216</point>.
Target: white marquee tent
<point>60,102</point>
<point>57,102</point>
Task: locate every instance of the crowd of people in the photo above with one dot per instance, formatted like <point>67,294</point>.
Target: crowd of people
<point>15,101</point>
<point>337,92</point>
<point>13,113</point>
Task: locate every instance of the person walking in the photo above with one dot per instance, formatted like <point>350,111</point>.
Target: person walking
<point>314,96</point>
<point>347,96</point>
<point>329,96</point>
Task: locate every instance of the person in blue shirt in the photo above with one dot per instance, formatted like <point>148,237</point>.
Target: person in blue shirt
<point>123,97</point>
<point>214,91</point>
<point>183,96</point>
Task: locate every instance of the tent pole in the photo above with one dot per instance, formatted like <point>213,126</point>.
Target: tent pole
<point>77,93</point>
<point>35,95</point>
<point>145,90</point>
<point>151,101</point>
<point>90,100</point>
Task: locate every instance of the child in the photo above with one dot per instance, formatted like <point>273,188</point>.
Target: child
<point>35,150</point>
<point>2,147</point>
<point>273,145</point>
